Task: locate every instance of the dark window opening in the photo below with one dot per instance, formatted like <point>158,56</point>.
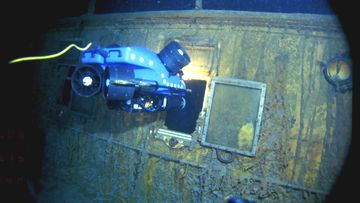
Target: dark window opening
<point>77,104</point>
<point>185,120</point>
<point>66,92</point>
<point>122,6</point>
<point>82,106</point>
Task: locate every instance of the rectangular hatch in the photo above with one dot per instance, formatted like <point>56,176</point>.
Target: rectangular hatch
<point>233,116</point>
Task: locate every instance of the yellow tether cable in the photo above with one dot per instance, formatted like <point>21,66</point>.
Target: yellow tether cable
<point>31,58</point>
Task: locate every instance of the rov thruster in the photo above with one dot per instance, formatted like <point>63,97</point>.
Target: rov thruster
<point>133,79</point>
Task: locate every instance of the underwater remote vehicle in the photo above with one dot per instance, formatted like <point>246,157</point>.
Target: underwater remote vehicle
<point>133,79</point>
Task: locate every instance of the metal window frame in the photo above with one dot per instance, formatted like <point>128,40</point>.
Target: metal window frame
<point>240,83</point>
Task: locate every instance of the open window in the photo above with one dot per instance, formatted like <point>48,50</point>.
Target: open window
<point>182,126</point>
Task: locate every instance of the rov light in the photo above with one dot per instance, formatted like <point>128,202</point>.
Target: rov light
<point>87,80</point>
<point>192,72</point>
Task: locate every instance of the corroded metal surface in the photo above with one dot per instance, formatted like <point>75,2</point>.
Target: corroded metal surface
<point>113,156</point>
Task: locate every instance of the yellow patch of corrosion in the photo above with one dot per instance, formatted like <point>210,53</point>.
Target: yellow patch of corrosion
<point>182,173</point>
<point>150,175</point>
<point>242,170</point>
<point>301,160</point>
<point>197,155</point>
<point>193,156</point>
<point>313,164</point>
<point>251,73</point>
<point>290,168</point>
<point>139,136</point>
<point>245,136</point>
<point>160,36</point>
<point>315,151</point>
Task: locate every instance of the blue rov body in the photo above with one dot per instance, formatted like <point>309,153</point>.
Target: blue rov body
<point>133,79</point>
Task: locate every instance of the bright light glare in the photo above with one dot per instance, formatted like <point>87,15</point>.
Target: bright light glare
<point>195,73</point>
<point>87,81</point>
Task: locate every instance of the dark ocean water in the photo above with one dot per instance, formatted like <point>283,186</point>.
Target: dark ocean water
<point>283,6</point>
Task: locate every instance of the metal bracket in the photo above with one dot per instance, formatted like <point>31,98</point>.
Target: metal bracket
<point>173,139</point>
